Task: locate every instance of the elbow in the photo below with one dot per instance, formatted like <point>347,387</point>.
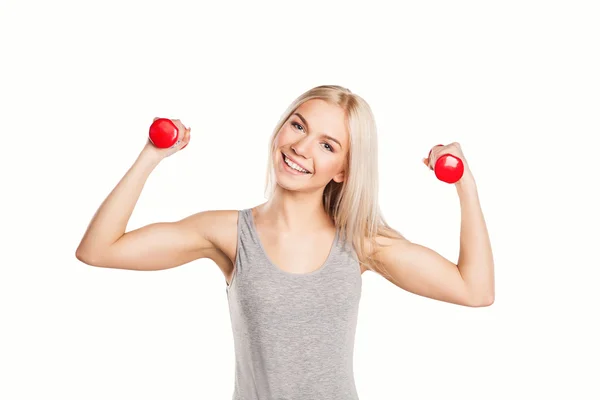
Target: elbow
<point>81,256</point>
<point>489,300</point>
<point>484,303</point>
<point>481,298</point>
<point>487,303</point>
<point>84,256</point>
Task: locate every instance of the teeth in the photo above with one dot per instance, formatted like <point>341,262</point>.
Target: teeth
<point>293,165</point>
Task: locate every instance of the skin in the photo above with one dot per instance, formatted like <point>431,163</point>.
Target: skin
<point>294,229</point>
<point>292,226</point>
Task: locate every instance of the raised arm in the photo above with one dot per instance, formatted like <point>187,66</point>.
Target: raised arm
<point>423,271</point>
<point>156,246</point>
<point>160,245</point>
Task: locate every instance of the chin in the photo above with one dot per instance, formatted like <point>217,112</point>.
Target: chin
<point>289,184</point>
<point>288,180</point>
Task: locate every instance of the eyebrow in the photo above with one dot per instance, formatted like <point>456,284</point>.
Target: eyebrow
<point>327,136</point>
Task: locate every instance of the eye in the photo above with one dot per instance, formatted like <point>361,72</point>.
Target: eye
<point>328,147</point>
<point>294,124</point>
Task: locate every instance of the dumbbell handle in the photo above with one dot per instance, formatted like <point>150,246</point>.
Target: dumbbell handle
<point>448,168</point>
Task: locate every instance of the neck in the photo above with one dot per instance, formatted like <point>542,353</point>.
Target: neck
<point>295,211</point>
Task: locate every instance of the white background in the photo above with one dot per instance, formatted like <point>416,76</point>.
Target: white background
<point>516,83</point>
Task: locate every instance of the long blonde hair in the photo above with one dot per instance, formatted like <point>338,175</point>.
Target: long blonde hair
<point>352,204</point>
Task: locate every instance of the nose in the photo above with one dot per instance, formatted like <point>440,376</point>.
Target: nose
<point>302,147</point>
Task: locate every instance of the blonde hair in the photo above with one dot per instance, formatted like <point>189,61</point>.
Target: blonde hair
<point>352,204</point>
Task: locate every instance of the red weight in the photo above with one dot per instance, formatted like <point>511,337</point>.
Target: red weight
<point>163,133</point>
<point>449,168</point>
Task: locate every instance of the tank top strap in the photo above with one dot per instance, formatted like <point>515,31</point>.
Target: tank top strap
<point>246,232</point>
<point>248,245</point>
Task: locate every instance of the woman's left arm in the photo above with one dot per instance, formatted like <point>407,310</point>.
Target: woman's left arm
<point>475,260</point>
<point>423,271</point>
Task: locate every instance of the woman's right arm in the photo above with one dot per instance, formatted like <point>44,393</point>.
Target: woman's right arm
<point>156,246</point>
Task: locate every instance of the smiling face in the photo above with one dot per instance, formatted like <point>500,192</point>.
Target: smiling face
<point>311,147</point>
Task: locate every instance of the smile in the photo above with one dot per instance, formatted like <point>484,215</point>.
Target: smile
<point>293,166</point>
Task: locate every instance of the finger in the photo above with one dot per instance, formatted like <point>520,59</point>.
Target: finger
<point>184,137</point>
<point>178,124</point>
<point>426,162</point>
<point>180,129</point>
<point>434,149</point>
<point>433,156</point>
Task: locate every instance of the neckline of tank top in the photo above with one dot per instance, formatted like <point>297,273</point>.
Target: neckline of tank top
<point>324,266</point>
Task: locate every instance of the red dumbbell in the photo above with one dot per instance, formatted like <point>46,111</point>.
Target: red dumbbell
<point>164,134</point>
<point>448,168</point>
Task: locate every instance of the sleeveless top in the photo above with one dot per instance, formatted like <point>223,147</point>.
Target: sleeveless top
<point>293,333</point>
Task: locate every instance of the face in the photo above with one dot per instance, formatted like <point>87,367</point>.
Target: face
<point>311,147</point>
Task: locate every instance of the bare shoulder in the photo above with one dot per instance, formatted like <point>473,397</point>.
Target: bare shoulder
<point>386,241</point>
<point>375,248</point>
<point>219,227</point>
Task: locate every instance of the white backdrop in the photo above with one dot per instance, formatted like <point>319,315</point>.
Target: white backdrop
<point>516,83</point>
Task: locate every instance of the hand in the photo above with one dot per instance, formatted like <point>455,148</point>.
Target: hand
<point>453,149</point>
<point>158,153</point>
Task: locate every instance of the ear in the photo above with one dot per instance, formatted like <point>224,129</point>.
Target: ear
<point>339,178</point>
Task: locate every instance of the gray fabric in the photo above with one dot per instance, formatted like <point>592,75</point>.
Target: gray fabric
<point>293,333</point>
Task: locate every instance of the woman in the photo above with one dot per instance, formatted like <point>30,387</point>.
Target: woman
<point>293,264</point>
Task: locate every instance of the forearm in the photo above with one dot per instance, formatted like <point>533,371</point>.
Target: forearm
<point>111,218</point>
<point>475,260</point>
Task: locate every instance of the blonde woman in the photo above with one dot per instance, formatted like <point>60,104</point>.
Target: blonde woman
<point>293,265</point>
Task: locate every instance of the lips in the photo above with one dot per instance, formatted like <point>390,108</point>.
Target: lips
<point>295,161</point>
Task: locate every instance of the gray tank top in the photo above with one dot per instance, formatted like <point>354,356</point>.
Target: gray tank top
<point>293,333</point>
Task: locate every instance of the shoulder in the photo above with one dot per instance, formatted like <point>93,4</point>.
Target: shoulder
<point>384,239</point>
<point>216,226</point>
<point>377,250</point>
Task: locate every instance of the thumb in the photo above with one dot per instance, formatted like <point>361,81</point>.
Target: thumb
<point>426,162</point>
